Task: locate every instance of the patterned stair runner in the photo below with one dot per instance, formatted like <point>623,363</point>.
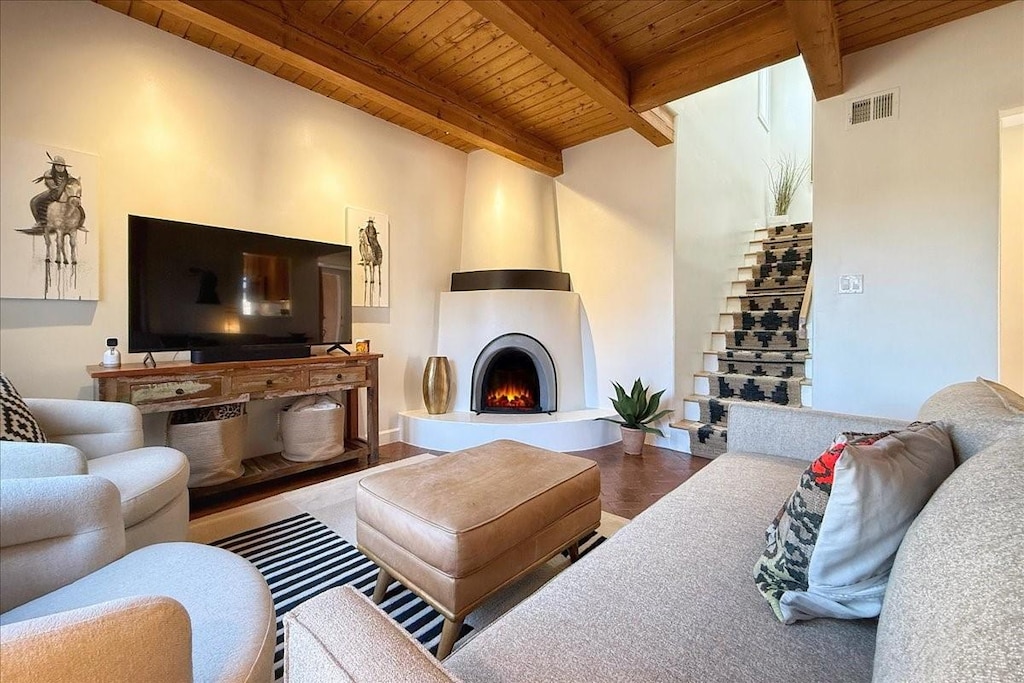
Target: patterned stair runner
<point>765,358</point>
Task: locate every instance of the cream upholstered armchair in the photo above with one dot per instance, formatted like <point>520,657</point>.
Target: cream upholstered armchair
<point>74,607</point>
<point>105,439</point>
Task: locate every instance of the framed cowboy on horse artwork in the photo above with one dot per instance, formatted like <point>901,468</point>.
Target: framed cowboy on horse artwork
<point>368,235</point>
<point>49,228</point>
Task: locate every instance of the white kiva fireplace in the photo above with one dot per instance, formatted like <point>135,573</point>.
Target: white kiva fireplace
<point>515,334</point>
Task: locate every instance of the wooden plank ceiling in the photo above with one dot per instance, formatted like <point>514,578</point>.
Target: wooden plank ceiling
<point>529,78</point>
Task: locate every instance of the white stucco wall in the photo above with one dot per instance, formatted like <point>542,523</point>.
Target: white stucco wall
<point>913,205</point>
<point>616,222</point>
<point>720,194</point>
<point>185,133</point>
<point>509,217</point>
<point>792,102</point>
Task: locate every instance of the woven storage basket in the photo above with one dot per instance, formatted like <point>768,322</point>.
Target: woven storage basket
<point>214,449</point>
<point>310,434</point>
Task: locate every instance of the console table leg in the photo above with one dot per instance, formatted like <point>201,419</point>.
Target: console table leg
<point>372,427</point>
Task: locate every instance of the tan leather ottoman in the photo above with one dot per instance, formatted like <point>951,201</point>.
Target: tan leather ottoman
<point>457,528</point>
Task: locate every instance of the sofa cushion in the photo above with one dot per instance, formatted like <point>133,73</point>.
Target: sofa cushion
<point>16,421</point>
<point>148,479</point>
<point>227,600</point>
<point>974,412</point>
<point>831,546</point>
<point>953,608</point>
<point>668,597</point>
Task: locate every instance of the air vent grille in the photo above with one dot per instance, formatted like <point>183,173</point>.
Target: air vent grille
<point>860,111</point>
<point>881,105</point>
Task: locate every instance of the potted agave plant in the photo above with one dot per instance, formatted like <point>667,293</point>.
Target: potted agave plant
<point>637,412</point>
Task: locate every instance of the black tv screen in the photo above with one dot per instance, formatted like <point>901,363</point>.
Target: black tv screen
<point>196,287</point>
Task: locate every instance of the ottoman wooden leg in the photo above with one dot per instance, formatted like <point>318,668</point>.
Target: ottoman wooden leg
<point>574,551</point>
<point>449,633</point>
<point>383,581</point>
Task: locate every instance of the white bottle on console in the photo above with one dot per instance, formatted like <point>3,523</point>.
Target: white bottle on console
<point>111,357</point>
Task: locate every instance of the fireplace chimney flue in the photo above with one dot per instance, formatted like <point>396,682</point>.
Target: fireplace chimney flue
<point>509,219</point>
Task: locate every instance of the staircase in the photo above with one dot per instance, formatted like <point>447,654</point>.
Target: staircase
<point>761,352</point>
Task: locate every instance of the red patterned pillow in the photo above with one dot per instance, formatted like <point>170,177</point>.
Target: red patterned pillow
<point>830,548</point>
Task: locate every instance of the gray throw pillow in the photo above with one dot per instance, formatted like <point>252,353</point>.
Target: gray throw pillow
<point>830,549</point>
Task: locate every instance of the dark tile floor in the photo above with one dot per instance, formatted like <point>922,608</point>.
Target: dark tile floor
<point>629,483</point>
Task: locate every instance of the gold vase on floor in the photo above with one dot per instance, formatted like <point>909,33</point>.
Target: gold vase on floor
<point>437,385</point>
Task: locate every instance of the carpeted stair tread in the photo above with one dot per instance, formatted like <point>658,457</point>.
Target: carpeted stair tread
<point>706,441</point>
<point>760,368</point>
<point>762,340</point>
<point>776,254</point>
<point>785,241</point>
<point>771,301</point>
<point>755,388</point>
<point>713,410</point>
<point>791,229</point>
<point>780,269</point>
<point>765,356</point>
<point>794,283</point>
<point>766,320</point>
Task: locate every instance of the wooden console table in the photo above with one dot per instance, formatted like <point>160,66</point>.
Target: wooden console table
<point>176,385</point>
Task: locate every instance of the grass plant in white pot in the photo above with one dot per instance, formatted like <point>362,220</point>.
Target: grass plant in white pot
<point>784,179</point>
<point>636,412</point>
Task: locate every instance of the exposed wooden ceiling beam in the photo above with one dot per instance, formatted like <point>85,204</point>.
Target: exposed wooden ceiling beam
<point>817,35</point>
<point>549,31</point>
<point>761,39</point>
<point>357,69</point>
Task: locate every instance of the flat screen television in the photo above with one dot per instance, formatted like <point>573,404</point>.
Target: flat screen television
<point>227,294</point>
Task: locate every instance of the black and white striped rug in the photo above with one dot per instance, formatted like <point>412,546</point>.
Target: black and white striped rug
<point>300,557</point>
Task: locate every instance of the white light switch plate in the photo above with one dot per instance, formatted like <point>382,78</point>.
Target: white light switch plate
<point>851,284</point>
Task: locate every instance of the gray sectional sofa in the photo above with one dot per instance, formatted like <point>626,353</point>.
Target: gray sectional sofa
<point>671,596</point>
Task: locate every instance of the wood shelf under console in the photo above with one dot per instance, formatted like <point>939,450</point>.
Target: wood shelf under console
<point>177,385</point>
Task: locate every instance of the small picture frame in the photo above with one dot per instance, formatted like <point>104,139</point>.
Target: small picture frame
<point>362,345</point>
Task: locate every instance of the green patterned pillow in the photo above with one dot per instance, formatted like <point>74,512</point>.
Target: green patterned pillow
<point>829,551</point>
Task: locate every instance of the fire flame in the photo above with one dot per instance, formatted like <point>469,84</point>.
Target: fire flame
<point>511,396</point>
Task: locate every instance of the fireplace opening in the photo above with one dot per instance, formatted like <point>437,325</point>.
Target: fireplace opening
<point>514,374</point>
<point>511,384</point>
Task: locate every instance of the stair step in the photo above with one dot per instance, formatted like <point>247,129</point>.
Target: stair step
<point>765,356</point>
<point>766,320</point>
<point>783,240</point>
<point>760,368</point>
<point>755,388</point>
<point>757,340</point>
<point>775,284</point>
<point>706,441</point>
<point>780,269</point>
<point>783,253</point>
<point>791,229</point>
<point>708,409</point>
<point>764,301</point>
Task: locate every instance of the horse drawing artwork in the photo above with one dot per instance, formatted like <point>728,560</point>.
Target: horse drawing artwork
<point>371,256</point>
<point>59,225</point>
<point>64,218</point>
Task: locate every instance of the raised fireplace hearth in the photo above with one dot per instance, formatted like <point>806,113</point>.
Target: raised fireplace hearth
<point>514,374</point>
